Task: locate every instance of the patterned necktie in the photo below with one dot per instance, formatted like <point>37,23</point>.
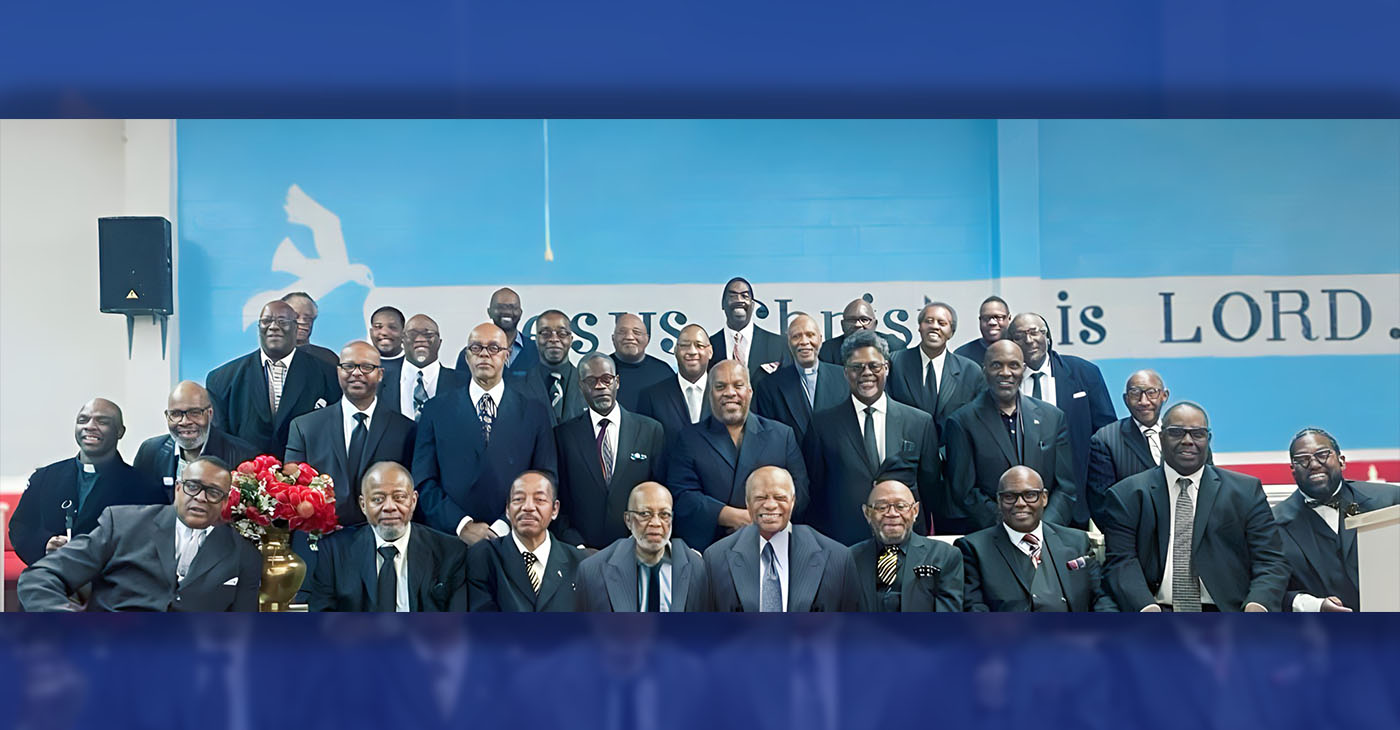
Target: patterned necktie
<point>1153,444</point>
<point>1034,543</point>
<point>532,566</point>
<point>1186,588</point>
<point>741,352</point>
<point>605,451</point>
<point>1035,386</point>
<point>556,393</point>
<point>872,450</point>
<point>420,396</point>
<point>276,375</point>
<point>770,593</point>
<point>931,383</point>
<point>887,567</point>
<point>486,411</point>
<point>386,595</point>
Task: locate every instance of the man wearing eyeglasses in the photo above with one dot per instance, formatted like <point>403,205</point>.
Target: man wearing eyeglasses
<point>898,570</point>
<point>649,571</point>
<point>1129,446</point>
<point>554,380</point>
<point>1190,537</point>
<point>345,438</point>
<point>189,414</point>
<point>155,558</point>
<point>858,316</point>
<point>1073,385</point>
<point>683,399</point>
<point>256,396</point>
<point>419,375</point>
<point>603,454</point>
<point>505,312</point>
<point>867,438</point>
<point>992,317</point>
<point>1320,549</point>
<point>307,312</point>
<point>1027,564</point>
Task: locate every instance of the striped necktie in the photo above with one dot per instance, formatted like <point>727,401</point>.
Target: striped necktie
<point>1034,543</point>
<point>887,567</point>
<point>1186,587</point>
<point>276,375</point>
<point>532,566</point>
<point>605,451</point>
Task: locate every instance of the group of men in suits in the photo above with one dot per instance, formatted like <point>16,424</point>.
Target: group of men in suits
<point>1016,452</point>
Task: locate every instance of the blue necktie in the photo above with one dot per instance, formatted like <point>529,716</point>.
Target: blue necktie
<point>770,596</point>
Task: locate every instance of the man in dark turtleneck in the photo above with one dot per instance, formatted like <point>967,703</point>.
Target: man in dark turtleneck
<point>636,370</point>
<point>553,380</point>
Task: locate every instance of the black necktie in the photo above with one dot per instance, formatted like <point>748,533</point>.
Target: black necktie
<point>357,452</point>
<point>872,452</point>
<point>1035,386</point>
<point>931,383</point>
<point>654,588</point>
<point>387,592</point>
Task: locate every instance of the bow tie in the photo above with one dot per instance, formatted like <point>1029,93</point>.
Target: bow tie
<point>1334,502</point>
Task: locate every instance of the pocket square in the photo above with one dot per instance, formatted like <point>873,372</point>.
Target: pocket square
<point>1079,562</point>
<point>320,403</point>
<point>231,581</point>
<point>1080,394</point>
<point>770,367</point>
<point>168,481</point>
<point>926,571</point>
<point>638,456</point>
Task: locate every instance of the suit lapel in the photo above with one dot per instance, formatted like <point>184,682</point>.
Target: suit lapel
<point>335,430</point>
<point>743,568</point>
<point>1058,552</point>
<point>1016,560</point>
<point>915,554</point>
<point>865,554</point>
<point>258,374</point>
<point>1291,520</point>
<point>948,383</point>
<point>804,570</point>
<point>913,376</point>
<point>755,436</point>
<point>1161,496</point>
<point>418,563</point>
<point>170,454</point>
<point>1350,496</point>
<point>377,426</point>
<point>364,549</point>
<point>894,432</point>
<point>1137,443</point>
<point>1210,489</point>
<point>626,440</point>
<point>991,420</point>
<point>620,577</point>
<point>553,575</point>
<point>298,375</point>
<point>514,566</point>
<point>680,576</point>
<point>216,547</point>
<point>165,541</point>
<point>717,436</point>
<point>850,425</point>
<point>790,388</point>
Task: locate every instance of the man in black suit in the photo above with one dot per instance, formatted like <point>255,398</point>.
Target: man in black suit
<point>1128,446</point>
<point>257,395</point>
<point>505,312</point>
<point>648,571</point>
<point>635,367</point>
<point>755,348</point>
<point>858,316</point>
<point>553,380</point>
<point>868,438</point>
<point>65,499</point>
<point>1002,428</point>
<point>1320,549</point>
<point>1025,564</point>
<point>1072,384</point>
<point>156,557</point>
<point>805,386</point>
<point>473,441</point>
<point>929,377</point>
<point>992,317</point>
<point>772,565</point>
<point>603,454</point>
<point>898,570</point>
<point>713,459</point>
<point>389,564</point>
<point>684,399</point>
<point>528,571</point>
<point>386,328</point>
<point>343,439</point>
<point>189,414</point>
<point>1189,536</point>
<point>410,381</point>
<point>307,311</point>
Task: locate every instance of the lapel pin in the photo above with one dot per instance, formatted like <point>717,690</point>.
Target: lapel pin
<point>638,456</point>
<point>1077,563</point>
<point>320,403</point>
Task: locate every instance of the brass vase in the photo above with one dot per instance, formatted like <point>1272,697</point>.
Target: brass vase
<point>283,570</point>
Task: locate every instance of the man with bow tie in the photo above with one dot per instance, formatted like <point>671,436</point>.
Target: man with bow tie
<point>898,570</point>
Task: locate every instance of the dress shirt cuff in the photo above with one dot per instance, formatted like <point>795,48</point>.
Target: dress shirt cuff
<point>465,521</point>
<point>1304,603</point>
<point>1150,608</point>
<point>1262,609</point>
<point>500,528</point>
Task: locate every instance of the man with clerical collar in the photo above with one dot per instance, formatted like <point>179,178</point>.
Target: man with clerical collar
<point>1320,548</point>
<point>65,499</point>
<point>649,571</point>
<point>899,570</point>
<point>805,386</point>
<point>419,375</point>
<point>528,570</point>
<point>635,367</point>
<point>553,380</point>
<point>386,328</point>
<point>189,416</point>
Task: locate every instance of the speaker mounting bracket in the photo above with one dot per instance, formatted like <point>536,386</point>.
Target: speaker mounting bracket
<point>156,317</point>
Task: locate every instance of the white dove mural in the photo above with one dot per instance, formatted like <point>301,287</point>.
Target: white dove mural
<point>316,276</point>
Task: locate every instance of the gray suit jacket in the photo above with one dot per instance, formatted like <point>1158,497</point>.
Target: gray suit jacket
<point>607,580</point>
<point>130,562</point>
<point>821,574</point>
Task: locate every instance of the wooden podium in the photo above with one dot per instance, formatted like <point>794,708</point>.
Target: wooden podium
<point>1378,558</point>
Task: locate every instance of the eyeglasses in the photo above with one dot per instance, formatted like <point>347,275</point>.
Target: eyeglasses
<point>553,334</point>
<point>1138,393</point>
<point>1029,497</point>
<point>492,350</point>
<point>412,335</point>
<point>995,317</point>
<point>189,413</point>
<point>305,320</point>
<point>648,515</point>
<point>285,323</point>
<point>686,345</point>
<point>604,380</point>
<point>1321,455</point>
<point>876,367</point>
<point>1031,333</point>
<point>211,493</point>
<point>858,321</point>
<point>350,368</point>
<point>1179,432</point>
<point>880,508</point>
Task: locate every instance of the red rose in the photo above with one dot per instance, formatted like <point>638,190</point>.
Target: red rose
<point>247,467</point>
<point>234,497</point>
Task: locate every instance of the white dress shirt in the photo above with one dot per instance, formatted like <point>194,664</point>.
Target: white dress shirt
<point>664,574</point>
<point>746,334</point>
<point>696,406</point>
<point>541,552</point>
<point>496,392</point>
<point>1017,539</point>
<point>1154,441</point>
<point>881,408</point>
<point>1047,382</point>
<point>188,538</point>
<point>408,380</point>
<point>1305,602</point>
<point>267,372</point>
<point>348,422</point>
<point>286,361</point>
<point>400,565</point>
<point>924,361</point>
<point>614,422</point>
<point>780,541</point>
<point>1164,593</point>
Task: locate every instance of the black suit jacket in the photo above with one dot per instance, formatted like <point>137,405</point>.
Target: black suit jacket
<point>448,380</point>
<point>1081,395</point>
<point>960,382</point>
<point>528,357</point>
<point>940,590</point>
<point>765,349</point>
<point>707,472</point>
<point>1235,543</point>
<point>345,578</point>
<point>999,575</point>
<point>980,451</point>
<point>40,513</point>
<point>975,350</point>
<point>459,474</point>
<point>535,384</point>
<point>158,456</point>
<point>842,476</point>
<point>590,510</point>
<point>665,403</point>
<point>1116,452</point>
<point>782,398</point>
<point>821,574</point>
<point>241,406</point>
<point>831,349</point>
<point>1322,562</point>
<point>607,579</point>
<point>318,439</point>
<point>497,579</point>
<point>129,560</point>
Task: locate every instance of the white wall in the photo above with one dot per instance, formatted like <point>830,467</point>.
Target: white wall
<point>57,177</point>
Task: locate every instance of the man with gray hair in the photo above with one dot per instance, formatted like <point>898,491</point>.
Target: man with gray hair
<point>189,414</point>
<point>307,312</point>
<point>1128,446</point>
<point>806,385</point>
<point>649,571</point>
<point>898,570</point>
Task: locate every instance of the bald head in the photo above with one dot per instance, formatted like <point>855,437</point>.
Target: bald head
<point>487,367</point>
<point>277,329</point>
<point>422,339</point>
<point>361,383</point>
<point>505,310</point>
<point>890,509</point>
<point>630,338</point>
<point>693,352</point>
<point>858,315</point>
<point>1026,492</point>
<point>97,429</point>
<point>388,499</point>
<point>1003,367</point>
<point>188,414</point>
<point>1144,395</point>
<point>730,392</point>
<point>770,495</point>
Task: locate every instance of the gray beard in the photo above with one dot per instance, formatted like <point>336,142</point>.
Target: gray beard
<point>390,533</point>
<point>198,442</point>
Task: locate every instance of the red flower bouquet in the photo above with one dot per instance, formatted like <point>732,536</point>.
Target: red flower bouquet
<point>291,496</point>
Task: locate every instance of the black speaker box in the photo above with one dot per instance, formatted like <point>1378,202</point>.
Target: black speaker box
<point>134,262</point>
